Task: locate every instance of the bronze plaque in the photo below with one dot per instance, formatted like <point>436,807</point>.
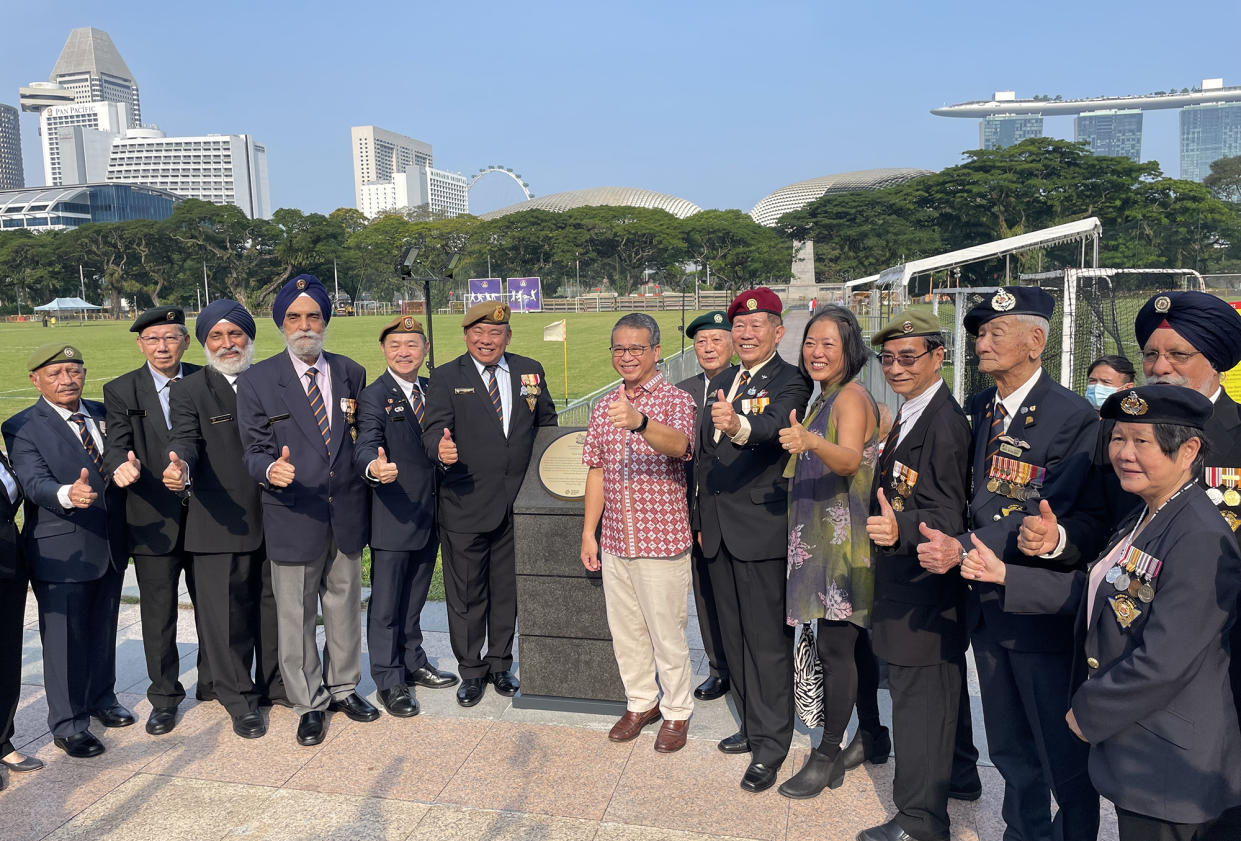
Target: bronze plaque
<point>560,468</point>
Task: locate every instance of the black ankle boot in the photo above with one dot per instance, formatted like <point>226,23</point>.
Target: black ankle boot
<point>873,746</point>
<point>817,773</point>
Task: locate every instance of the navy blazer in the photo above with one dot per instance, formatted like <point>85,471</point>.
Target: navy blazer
<point>328,499</point>
<point>1154,698</point>
<point>64,545</point>
<point>12,561</point>
<point>402,512</point>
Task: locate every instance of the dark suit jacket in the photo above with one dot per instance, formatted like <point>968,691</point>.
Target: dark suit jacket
<point>917,617</point>
<point>64,545</point>
<point>224,514</point>
<point>742,497</point>
<point>402,512</point>
<point>1060,428</point>
<point>153,513</point>
<point>328,498</point>
<point>477,492</point>
<point>12,562</point>
<point>696,388</point>
<point>1157,709</point>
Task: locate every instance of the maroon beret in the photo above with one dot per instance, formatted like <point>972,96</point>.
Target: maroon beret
<point>761,299</point>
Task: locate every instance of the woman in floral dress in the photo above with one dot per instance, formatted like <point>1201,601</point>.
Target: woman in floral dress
<point>829,574</point>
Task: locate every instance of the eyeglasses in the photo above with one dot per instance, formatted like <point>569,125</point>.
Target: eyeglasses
<point>1176,357</point>
<point>161,340</point>
<point>905,360</point>
<point>635,351</point>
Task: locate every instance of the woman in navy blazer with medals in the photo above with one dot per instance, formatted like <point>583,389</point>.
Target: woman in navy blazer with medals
<point>1152,693</point>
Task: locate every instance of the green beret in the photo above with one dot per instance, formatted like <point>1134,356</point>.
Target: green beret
<point>52,353</point>
<point>156,316</point>
<point>907,325</point>
<point>486,312</point>
<point>714,320</point>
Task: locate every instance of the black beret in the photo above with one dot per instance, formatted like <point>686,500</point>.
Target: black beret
<point>1158,404</point>
<point>156,316</point>
<point>1211,325</point>
<point>1010,300</point>
<point>714,320</point>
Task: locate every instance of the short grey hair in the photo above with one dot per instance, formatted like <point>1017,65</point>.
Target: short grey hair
<point>1034,321</point>
<point>639,321</point>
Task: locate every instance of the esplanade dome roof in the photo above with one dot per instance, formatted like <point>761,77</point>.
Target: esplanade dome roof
<point>596,196</point>
<point>796,196</point>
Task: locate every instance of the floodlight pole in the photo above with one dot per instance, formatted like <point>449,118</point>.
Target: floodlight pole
<point>426,296</point>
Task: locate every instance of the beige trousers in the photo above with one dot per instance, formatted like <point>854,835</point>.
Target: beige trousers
<point>648,606</point>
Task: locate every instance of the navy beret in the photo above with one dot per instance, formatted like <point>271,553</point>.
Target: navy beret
<point>1158,404</point>
<point>1211,325</point>
<point>1010,300</point>
<point>303,284</point>
<point>156,316</point>
<point>223,309</point>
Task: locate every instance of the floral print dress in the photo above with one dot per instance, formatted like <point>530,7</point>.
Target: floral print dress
<point>829,559</point>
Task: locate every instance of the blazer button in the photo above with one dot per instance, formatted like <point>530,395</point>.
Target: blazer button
<point>329,499</point>
<point>331,474</point>
<point>995,517</point>
<point>1092,662</point>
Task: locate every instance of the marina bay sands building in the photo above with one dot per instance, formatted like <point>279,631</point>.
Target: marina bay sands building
<point>1210,122</point>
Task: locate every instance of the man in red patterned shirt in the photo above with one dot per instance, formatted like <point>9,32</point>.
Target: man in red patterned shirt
<point>636,445</point>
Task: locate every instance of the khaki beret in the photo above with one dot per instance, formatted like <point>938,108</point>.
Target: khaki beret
<point>52,353</point>
<point>487,312</point>
<point>907,325</point>
<point>402,324</point>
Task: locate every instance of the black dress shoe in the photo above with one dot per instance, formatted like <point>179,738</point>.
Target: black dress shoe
<point>470,692</point>
<point>759,776</point>
<point>965,793</point>
<point>251,726</point>
<point>505,683</point>
<point>736,743</point>
<point>432,678</point>
<point>712,688</point>
<point>30,763</point>
<point>162,720</point>
<point>355,707</point>
<point>114,716</point>
<point>82,745</point>
<point>890,831</point>
<point>816,773</point>
<point>399,702</point>
<point>310,729</point>
<point>873,747</point>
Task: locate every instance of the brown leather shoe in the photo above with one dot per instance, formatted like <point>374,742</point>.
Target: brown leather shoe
<point>671,736</point>
<point>631,724</point>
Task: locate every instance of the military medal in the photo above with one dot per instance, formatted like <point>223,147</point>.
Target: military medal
<point>898,504</point>
<point>1122,582</point>
<point>1112,574</point>
<point>1124,608</point>
<point>1134,585</point>
<point>530,389</point>
<point>993,484</point>
<point>1215,495</point>
<point>1146,593</point>
<point>1232,498</point>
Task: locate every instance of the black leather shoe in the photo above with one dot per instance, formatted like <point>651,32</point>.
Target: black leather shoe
<point>736,743</point>
<point>162,720</point>
<point>712,688</point>
<point>114,716</point>
<point>399,702</point>
<point>470,692</point>
<point>965,793</point>
<point>310,729</point>
<point>890,831</point>
<point>432,678</point>
<point>871,747</point>
<point>30,763</point>
<point>82,745</point>
<point>355,707</point>
<point>505,683</point>
<point>759,776</point>
<point>251,726</point>
<point>816,773</point>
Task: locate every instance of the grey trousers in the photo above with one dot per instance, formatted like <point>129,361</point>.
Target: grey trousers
<point>335,580</point>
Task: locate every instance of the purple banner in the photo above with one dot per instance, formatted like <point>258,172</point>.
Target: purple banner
<point>525,294</point>
<point>484,289</point>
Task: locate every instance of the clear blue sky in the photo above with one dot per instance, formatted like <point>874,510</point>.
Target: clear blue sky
<point>718,102</point>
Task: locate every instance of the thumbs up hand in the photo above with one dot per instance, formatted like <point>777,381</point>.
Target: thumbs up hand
<point>883,529</point>
<point>981,564</point>
<point>623,414</point>
<point>938,552</point>
<point>1039,535</point>
<point>796,438</point>
<point>81,494</point>
<point>383,470</point>
<point>281,472</point>
<point>128,472</point>
<point>175,474</point>
<point>448,449</point>
<point>724,416</point>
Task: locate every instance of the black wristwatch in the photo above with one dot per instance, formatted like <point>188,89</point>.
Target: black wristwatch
<point>640,428</point>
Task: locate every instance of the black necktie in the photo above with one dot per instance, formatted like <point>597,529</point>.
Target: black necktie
<point>88,440</point>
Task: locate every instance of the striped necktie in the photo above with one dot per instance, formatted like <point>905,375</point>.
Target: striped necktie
<point>316,405</point>
<point>742,380</point>
<point>416,403</point>
<point>889,450</point>
<point>997,429</point>
<point>493,391</point>
<point>88,440</point>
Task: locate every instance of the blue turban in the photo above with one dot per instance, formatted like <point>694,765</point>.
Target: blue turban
<point>1211,325</point>
<point>223,309</point>
<point>303,284</point>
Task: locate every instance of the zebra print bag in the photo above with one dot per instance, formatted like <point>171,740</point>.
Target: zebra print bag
<point>807,679</point>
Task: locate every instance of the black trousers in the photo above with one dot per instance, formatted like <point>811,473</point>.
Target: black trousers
<point>1134,827</point>
<point>867,682</point>
<point>399,584</point>
<point>708,622</point>
<point>12,612</point>
<point>77,625</point>
<point>159,579</point>
<point>964,752</point>
<point>480,588</point>
<point>1024,699</point>
<point>925,704</point>
<point>749,601</point>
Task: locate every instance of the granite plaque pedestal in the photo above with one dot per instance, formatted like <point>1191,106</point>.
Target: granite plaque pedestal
<point>567,663</point>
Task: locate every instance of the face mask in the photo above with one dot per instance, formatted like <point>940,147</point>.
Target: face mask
<point>1097,394</point>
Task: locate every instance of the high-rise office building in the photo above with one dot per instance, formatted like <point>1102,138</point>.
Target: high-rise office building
<point>419,186</point>
<point>996,132</point>
<point>1111,132</point>
<point>379,154</point>
<point>77,139</point>
<point>1208,133</point>
<point>92,69</point>
<point>12,175</point>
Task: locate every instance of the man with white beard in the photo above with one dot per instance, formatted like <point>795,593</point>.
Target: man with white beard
<point>224,520</point>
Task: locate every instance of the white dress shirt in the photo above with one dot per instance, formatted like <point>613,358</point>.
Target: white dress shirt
<point>912,409</point>
<point>62,493</point>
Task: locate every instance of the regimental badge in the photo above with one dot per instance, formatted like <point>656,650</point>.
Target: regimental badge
<point>1134,405</point>
<point>409,323</point>
<point>1233,521</point>
<point>1163,303</point>
<point>751,304</point>
<point>898,504</point>
<point>1124,608</point>
<point>353,433</point>
<point>717,319</point>
<point>301,283</point>
<point>498,314</point>
<point>171,316</point>
<point>907,327</point>
<point>530,401</point>
<point>68,352</point>
<point>1003,301</point>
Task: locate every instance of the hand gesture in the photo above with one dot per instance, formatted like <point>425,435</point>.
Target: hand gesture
<point>724,416</point>
<point>938,552</point>
<point>81,494</point>
<point>448,449</point>
<point>981,564</point>
<point>796,438</point>
<point>175,474</point>
<point>1039,535</point>
<point>382,469</point>
<point>128,472</point>
<point>883,528</point>
<point>590,553</point>
<point>282,471</point>
<point>622,413</point>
